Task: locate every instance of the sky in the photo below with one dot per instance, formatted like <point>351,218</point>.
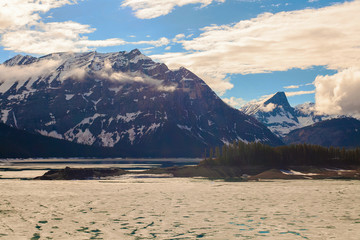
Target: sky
<point>244,50</point>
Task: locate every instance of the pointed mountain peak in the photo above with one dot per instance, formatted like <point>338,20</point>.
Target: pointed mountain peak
<point>278,98</point>
<point>135,52</point>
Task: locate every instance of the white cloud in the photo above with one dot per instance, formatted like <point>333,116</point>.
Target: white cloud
<point>147,9</point>
<point>178,37</point>
<point>291,94</point>
<point>47,38</point>
<point>268,108</point>
<point>22,30</point>
<point>157,43</point>
<point>17,13</point>
<point>328,36</point>
<point>10,75</point>
<point>234,102</point>
<point>62,37</point>
<point>108,73</point>
<point>339,93</point>
<point>292,86</point>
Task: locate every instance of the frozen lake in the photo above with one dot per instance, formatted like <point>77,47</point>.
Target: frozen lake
<point>173,208</point>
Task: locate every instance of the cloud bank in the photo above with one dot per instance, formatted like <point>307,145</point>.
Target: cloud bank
<point>338,94</point>
<point>148,9</point>
<point>18,13</point>
<point>22,30</point>
<point>328,36</point>
<point>21,74</point>
<point>26,75</point>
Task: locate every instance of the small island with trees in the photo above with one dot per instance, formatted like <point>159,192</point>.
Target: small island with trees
<point>242,161</point>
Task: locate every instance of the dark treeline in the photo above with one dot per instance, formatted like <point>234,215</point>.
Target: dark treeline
<point>251,154</point>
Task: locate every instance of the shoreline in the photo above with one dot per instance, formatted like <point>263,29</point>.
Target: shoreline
<point>226,173</point>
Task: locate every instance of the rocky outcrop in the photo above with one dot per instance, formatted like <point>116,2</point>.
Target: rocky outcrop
<point>80,173</point>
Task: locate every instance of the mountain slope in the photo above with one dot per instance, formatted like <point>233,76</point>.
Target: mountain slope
<point>15,143</point>
<point>307,114</point>
<point>340,132</point>
<point>122,100</point>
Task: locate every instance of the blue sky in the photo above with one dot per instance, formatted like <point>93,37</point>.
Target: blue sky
<point>244,49</point>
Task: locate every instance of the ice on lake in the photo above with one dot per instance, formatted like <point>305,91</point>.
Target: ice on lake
<point>174,208</point>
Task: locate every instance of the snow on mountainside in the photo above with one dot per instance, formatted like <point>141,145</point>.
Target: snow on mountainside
<point>275,112</point>
<point>307,114</point>
<point>123,100</point>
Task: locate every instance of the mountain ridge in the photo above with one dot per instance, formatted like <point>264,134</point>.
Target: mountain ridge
<point>337,132</point>
<point>123,100</point>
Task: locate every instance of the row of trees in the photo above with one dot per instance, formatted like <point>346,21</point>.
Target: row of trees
<point>247,154</point>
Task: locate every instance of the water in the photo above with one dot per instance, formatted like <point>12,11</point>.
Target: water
<point>174,208</point>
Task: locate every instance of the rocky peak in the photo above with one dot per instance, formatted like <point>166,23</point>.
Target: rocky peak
<point>20,60</point>
<point>278,98</point>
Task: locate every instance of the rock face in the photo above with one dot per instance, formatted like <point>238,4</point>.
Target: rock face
<point>122,100</point>
<point>341,132</point>
<point>281,118</point>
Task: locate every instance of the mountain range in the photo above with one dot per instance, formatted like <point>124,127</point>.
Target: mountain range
<point>123,101</point>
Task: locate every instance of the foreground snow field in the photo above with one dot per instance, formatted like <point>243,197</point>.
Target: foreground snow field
<point>173,208</point>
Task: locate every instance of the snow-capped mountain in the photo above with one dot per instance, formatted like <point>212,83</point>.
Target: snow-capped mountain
<point>275,112</point>
<point>123,100</point>
<point>281,118</point>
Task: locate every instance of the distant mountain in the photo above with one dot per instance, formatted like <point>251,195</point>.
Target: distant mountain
<point>281,118</point>
<point>122,100</point>
<point>275,112</point>
<point>339,132</point>
<point>15,143</point>
<point>307,115</point>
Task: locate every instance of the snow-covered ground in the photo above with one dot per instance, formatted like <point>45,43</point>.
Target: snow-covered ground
<point>173,208</point>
